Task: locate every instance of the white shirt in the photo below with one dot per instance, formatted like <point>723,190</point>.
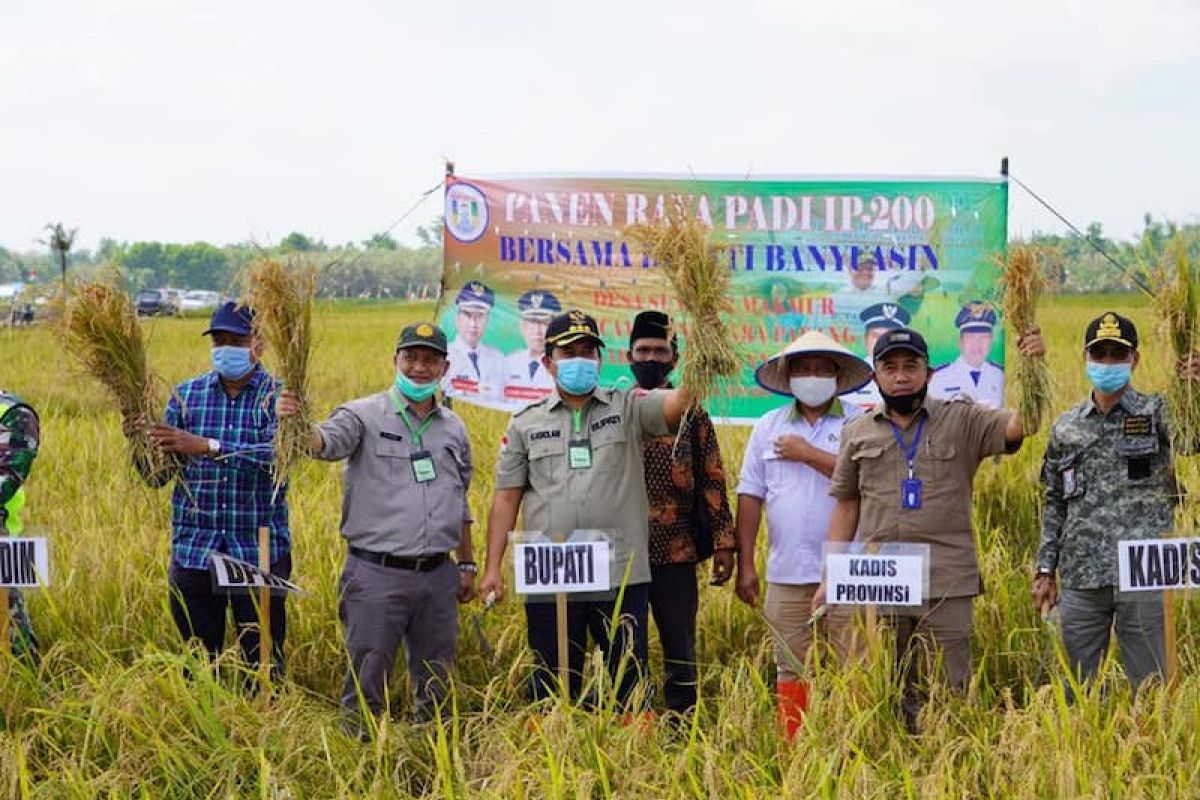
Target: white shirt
<point>481,378</point>
<point>864,399</point>
<point>955,378</point>
<point>519,385</point>
<point>797,496</point>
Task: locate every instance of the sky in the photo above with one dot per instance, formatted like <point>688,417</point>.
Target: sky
<point>243,121</point>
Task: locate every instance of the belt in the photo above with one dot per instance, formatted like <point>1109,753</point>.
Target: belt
<point>416,563</point>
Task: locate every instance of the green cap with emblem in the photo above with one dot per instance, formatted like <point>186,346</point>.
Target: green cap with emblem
<point>422,334</point>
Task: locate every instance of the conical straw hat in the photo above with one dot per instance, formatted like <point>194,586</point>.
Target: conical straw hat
<point>853,372</point>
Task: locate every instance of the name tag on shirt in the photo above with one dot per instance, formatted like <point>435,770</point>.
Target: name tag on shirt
<point>422,466</point>
<point>579,454</point>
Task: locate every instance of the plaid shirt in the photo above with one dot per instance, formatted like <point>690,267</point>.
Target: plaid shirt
<point>219,504</point>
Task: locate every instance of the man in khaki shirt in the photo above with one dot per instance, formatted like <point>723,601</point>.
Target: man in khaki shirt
<point>574,461</point>
<point>938,445</point>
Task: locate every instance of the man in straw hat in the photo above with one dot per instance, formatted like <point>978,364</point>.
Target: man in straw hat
<point>690,518</point>
<point>220,427</point>
<point>786,466</point>
<point>904,473</point>
<point>574,461</point>
<point>404,509</point>
<point>1109,476</point>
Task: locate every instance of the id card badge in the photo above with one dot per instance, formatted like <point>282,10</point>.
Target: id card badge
<point>1070,484</point>
<point>579,454</point>
<point>910,494</point>
<point>422,466</point>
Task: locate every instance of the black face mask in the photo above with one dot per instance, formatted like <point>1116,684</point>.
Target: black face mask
<point>650,374</point>
<point>904,403</point>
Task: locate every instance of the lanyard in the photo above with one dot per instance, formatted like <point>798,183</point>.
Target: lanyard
<point>403,412</point>
<point>576,421</point>
<point>909,451</point>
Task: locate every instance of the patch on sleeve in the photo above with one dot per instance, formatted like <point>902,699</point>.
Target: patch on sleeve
<point>503,443</point>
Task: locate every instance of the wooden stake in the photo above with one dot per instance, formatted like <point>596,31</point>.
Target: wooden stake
<point>564,669</point>
<point>1168,599</point>
<point>266,657</point>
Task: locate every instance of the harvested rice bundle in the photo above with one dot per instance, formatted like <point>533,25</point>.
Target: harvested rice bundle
<point>282,300</point>
<point>700,281</point>
<point>1023,284</point>
<point>100,330</point>
<point>1175,294</point>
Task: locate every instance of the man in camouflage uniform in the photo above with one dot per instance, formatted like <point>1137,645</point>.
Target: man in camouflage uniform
<point>1109,477</point>
<point>19,433</point>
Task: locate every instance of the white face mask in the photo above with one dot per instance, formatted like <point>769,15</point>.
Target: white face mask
<point>812,391</point>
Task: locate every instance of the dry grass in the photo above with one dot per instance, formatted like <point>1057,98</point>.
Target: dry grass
<point>1023,285</point>
<point>1175,285</point>
<point>282,299</point>
<point>700,282</point>
<point>100,330</point>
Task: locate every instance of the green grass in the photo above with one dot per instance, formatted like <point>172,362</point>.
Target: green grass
<point>109,713</point>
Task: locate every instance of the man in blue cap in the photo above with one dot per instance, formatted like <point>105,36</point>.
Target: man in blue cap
<point>476,369</point>
<point>876,320</point>
<point>526,378</point>
<point>971,374</point>
<point>219,429</point>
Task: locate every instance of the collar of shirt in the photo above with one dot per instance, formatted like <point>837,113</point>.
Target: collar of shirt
<point>1130,402</point>
<point>599,394</point>
<point>929,407</point>
<point>835,410</point>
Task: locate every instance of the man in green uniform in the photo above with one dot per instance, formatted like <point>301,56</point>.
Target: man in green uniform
<point>19,433</point>
<point>574,461</point>
<point>1109,476</point>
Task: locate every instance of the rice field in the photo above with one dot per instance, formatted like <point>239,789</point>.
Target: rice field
<point>110,712</point>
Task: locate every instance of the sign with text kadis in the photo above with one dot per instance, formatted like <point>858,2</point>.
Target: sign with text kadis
<point>561,567</point>
<point>24,563</point>
<point>1146,565</point>
<point>895,575</point>
<point>229,575</point>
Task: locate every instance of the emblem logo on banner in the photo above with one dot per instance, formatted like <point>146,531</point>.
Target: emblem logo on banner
<point>466,212</point>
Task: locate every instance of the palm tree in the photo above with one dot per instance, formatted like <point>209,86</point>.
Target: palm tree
<point>60,243</point>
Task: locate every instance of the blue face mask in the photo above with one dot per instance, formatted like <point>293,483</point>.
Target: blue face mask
<point>578,375</point>
<point>1108,378</point>
<point>231,362</point>
<point>417,392</point>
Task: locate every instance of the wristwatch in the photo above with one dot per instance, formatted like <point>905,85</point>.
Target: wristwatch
<point>468,566</point>
<point>214,448</point>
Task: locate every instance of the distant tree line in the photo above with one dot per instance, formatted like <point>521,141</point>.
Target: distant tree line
<point>383,267</point>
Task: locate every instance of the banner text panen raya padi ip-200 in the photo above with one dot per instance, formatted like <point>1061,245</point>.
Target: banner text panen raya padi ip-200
<point>848,257</point>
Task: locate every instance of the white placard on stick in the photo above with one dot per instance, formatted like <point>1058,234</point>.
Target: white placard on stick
<point>1146,565</point>
<point>561,567</point>
<point>24,562</point>
<point>232,575</point>
<point>886,578</point>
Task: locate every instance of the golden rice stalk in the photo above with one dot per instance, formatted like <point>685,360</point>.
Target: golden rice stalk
<point>100,331</point>
<point>700,281</point>
<point>1175,293</point>
<point>1023,283</point>
<point>281,297</point>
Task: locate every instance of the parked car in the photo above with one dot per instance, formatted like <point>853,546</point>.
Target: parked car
<point>199,299</point>
<point>157,303</point>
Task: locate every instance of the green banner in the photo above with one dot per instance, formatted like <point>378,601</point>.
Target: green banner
<point>846,256</point>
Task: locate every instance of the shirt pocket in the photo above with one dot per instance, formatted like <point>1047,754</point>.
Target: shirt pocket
<point>943,458</point>
<point>608,449</point>
<point>873,469</point>
<point>394,458</point>
<point>1143,462</point>
<point>449,464</point>
<point>547,460</point>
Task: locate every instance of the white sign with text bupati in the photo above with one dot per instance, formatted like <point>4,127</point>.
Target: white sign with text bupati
<point>232,575</point>
<point>1147,565</point>
<point>561,567</point>
<point>875,579</point>
<point>24,563</point>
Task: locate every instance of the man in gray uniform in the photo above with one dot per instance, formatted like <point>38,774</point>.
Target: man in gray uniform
<point>1109,476</point>
<point>574,460</point>
<point>404,509</point>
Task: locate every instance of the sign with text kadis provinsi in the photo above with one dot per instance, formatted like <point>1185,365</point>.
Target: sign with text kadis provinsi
<point>229,575</point>
<point>561,567</point>
<point>1146,565</point>
<point>895,575</point>
<point>24,562</point>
